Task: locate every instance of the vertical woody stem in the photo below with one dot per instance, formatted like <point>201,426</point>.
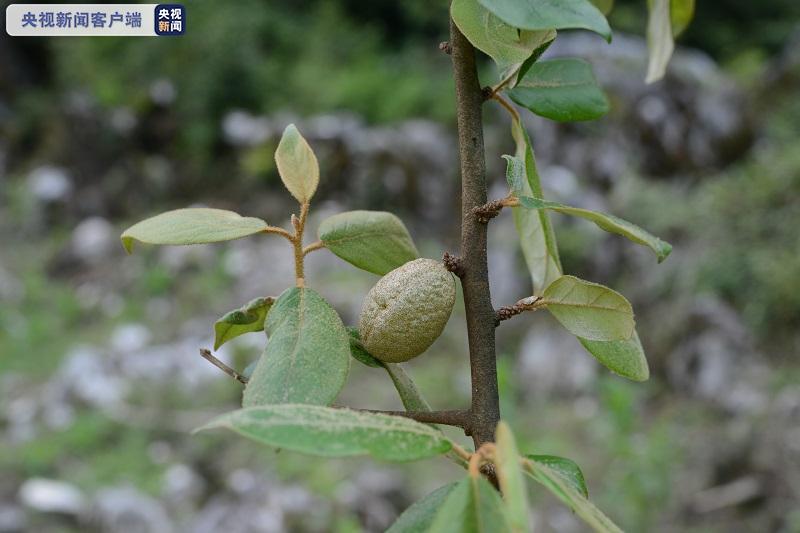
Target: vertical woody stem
<point>485,408</point>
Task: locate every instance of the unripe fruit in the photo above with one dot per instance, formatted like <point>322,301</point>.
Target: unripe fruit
<point>407,310</point>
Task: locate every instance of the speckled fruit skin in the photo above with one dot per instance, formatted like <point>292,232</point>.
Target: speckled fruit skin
<point>407,310</point>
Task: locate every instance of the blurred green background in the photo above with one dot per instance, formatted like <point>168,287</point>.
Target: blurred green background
<point>100,381</point>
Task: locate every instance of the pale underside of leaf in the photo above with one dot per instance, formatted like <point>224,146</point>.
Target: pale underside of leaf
<point>195,225</point>
<point>660,43</point>
<point>297,165</point>
<point>335,432</point>
<point>606,222</point>
<point>571,497</point>
<point>537,238</point>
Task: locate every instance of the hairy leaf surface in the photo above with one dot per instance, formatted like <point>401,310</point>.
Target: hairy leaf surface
<point>623,357</point>
<point>550,14</point>
<point>330,432</point>
<point>195,225</point>
<point>297,165</point>
<point>308,354</point>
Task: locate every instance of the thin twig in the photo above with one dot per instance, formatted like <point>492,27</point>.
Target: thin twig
<point>313,246</point>
<point>456,418</point>
<point>278,231</point>
<point>503,102</point>
<point>222,366</point>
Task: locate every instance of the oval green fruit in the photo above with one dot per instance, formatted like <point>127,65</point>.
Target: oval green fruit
<point>407,310</point>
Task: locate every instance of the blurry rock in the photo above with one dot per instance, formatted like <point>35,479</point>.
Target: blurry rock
<point>49,184</point>
<point>163,92</point>
<point>88,374</point>
<point>51,496</point>
<point>126,510</point>
<point>128,338</point>
<point>240,128</point>
<point>12,519</point>
<point>374,493</point>
<point>552,361</point>
<point>93,239</point>
<point>182,484</point>
<point>696,119</point>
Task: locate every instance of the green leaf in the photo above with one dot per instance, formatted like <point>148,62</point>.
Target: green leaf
<point>297,165</point>
<point>550,14</point>
<point>681,14</point>
<point>537,239</point>
<point>196,225</point>
<point>561,89</point>
<point>246,319</point>
<point>515,173</point>
<point>507,45</point>
<point>659,39</point>
<point>606,222</point>
<point>623,357</point>
<point>605,6</point>
<point>331,432</point>
<point>534,57</point>
<point>589,310</point>
<point>570,496</point>
<point>419,517</point>
<point>308,354</point>
<point>375,241</point>
<point>566,468</point>
<point>473,506</point>
<point>509,474</point>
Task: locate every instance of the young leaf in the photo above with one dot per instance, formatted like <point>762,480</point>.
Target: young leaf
<point>570,496</point>
<point>547,14</point>
<point>659,39</point>
<point>308,355</point>
<point>681,13</point>
<point>537,239</point>
<point>196,225</point>
<point>473,506</point>
<point>507,45</point>
<point>606,222</point>
<point>248,318</point>
<point>330,432</point>
<point>623,357</point>
<point>419,517</point>
<point>509,474</point>
<point>297,165</point>
<point>515,173</point>
<point>566,468</point>
<point>589,310</point>
<point>375,241</point>
<point>561,89</point>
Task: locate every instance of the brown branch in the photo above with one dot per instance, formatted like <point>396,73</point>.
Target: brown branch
<point>444,46</point>
<point>299,225</point>
<point>222,366</point>
<point>277,231</point>
<point>456,418</point>
<point>531,303</point>
<point>485,408</point>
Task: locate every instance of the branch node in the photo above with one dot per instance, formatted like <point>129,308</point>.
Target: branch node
<point>444,46</point>
<point>526,304</point>
<point>486,212</point>
<point>487,93</point>
<point>454,264</point>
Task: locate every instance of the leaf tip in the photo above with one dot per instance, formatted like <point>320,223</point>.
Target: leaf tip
<point>127,243</point>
